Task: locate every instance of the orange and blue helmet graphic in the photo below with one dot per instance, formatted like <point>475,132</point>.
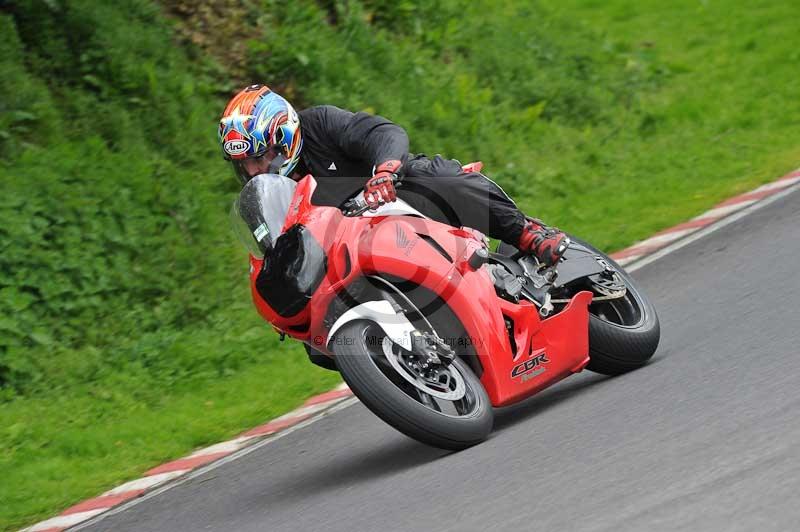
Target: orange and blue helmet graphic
<point>257,120</point>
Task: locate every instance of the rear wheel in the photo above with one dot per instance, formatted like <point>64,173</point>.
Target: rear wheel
<point>447,409</point>
<point>623,332</point>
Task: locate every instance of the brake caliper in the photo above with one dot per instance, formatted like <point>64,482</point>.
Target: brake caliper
<point>431,349</point>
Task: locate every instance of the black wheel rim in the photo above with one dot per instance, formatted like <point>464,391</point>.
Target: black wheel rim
<point>626,311</point>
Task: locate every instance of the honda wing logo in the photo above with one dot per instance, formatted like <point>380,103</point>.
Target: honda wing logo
<point>400,237</point>
<point>403,242</point>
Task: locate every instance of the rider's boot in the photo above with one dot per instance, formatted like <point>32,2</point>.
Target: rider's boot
<point>547,244</point>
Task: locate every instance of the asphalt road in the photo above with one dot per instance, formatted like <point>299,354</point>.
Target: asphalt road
<point>707,437</point>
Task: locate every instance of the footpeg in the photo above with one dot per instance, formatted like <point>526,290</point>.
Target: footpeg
<point>506,283</point>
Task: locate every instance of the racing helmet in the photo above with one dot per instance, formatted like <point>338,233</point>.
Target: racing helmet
<point>259,123</point>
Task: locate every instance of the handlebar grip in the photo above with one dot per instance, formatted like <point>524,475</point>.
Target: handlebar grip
<point>354,206</point>
<point>357,205</point>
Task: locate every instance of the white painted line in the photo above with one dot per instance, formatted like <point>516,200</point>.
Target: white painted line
<point>145,482</point>
<point>719,212</point>
<point>217,463</point>
<point>65,520</point>
<point>627,260</point>
<point>711,228</point>
<point>223,447</point>
<point>306,410</point>
<point>783,183</point>
<point>666,237</point>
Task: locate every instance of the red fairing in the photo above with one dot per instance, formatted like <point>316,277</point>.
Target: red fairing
<point>545,351</point>
<point>333,231</point>
<point>562,340</point>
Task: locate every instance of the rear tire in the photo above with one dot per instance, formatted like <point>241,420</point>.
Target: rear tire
<point>614,347</point>
<point>386,399</point>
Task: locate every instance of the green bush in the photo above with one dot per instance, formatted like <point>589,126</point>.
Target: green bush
<point>113,214</point>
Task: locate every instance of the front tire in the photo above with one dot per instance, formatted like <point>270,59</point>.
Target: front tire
<point>400,404</point>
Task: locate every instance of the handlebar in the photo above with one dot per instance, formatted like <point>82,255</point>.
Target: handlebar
<point>357,205</point>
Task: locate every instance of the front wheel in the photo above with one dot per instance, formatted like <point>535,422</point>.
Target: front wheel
<point>452,412</point>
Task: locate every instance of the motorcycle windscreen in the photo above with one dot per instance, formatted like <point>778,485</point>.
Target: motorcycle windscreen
<point>259,212</point>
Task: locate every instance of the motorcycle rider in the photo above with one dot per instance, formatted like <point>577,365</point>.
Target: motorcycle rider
<point>260,132</point>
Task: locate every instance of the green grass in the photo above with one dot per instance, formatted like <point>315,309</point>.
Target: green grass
<point>726,119</point>
<point>126,333</point>
<point>612,119</point>
<point>59,449</point>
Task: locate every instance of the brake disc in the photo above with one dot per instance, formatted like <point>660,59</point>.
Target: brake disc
<point>450,379</point>
<point>609,285</point>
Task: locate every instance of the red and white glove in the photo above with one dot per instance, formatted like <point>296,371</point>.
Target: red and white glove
<point>380,188</point>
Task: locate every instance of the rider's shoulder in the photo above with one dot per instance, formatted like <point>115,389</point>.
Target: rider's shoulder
<point>322,110</point>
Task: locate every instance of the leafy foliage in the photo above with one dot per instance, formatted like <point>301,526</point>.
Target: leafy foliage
<point>465,76</point>
<point>111,222</point>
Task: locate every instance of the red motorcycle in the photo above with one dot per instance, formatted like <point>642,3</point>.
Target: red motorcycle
<point>428,327</point>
